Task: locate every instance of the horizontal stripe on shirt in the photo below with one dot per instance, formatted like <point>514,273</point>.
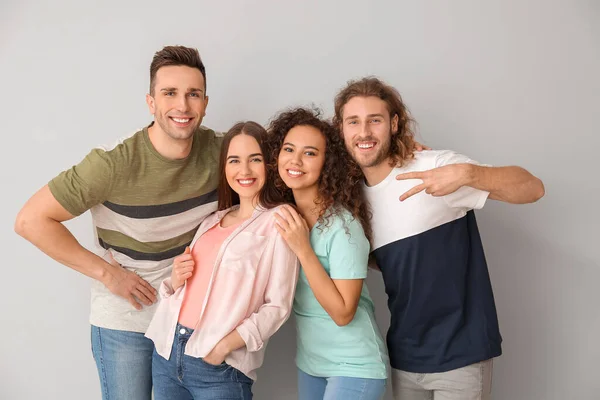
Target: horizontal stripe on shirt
<point>161,210</point>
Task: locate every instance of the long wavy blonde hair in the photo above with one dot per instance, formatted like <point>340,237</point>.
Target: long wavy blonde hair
<point>402,143</point>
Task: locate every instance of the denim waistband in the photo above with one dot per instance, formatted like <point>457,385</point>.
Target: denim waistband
<point>181,330</point>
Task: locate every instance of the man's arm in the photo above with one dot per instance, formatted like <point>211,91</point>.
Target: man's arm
<point>40,222</point>
<point>509,184</point>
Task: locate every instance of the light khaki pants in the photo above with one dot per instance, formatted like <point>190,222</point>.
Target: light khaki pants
<point>473,382</point>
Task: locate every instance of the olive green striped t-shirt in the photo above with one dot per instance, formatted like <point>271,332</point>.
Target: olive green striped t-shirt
<point>145,209</point>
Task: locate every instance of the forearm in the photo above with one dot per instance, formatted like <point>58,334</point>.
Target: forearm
<point>325,290</point>
<point>54,239</point>
<point>276,309</point>
<point>509,184</point>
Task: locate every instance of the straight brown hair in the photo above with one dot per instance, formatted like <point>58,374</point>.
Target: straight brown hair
<point>269,196</point>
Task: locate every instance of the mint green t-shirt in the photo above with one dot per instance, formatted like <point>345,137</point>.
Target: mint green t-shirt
<point>325,349</point>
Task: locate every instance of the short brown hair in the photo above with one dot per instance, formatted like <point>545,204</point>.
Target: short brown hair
<point>269,196</point>
<point>402,144</point>
<point>175,55</point>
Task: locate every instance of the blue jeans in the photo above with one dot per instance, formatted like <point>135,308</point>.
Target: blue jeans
<point>124,362</point>
<point>339,388</point>
<point>183,377</point>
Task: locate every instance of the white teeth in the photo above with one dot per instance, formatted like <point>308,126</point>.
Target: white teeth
<point>295,173</point>
<point>181,120</point>
<point>246,181</point>
<point>365,145</point>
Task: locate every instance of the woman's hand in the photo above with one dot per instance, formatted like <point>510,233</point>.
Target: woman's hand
<point>229,343</point>
<point>183,267</point>
<point>216,355</point>
<point>293,228</point>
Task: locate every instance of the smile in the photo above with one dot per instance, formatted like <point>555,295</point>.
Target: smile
<point>246,182</point>
<point>181,121</point>
<point>365,145</point>
<point>294,173</point>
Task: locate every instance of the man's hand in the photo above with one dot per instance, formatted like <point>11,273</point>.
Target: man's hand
<point>130,286</point>
<point>421,147</point>
<point>438,181</point>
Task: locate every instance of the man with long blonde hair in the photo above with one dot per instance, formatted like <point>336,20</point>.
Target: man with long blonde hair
<point>444,330</point>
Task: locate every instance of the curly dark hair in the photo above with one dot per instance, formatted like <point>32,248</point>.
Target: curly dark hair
<point>341,179</point>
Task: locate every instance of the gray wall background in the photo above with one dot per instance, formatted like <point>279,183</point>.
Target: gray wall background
<point>506,82</point>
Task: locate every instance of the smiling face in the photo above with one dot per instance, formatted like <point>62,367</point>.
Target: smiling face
<point>178,101</point>
<point>367,129</point>
<point>245,167</point>
<point>302,157</point>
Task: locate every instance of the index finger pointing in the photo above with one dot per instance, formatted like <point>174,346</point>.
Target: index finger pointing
<point>410,175</point>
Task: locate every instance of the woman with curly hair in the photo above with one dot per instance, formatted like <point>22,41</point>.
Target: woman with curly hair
<point>340,351</point>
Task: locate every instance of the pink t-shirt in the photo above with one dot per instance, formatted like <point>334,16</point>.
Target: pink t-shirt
<point>204,254</point>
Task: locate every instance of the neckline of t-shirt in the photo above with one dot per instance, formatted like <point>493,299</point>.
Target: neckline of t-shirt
<point>381,184</point>
<point>230,227</point>
<point>164,159</point>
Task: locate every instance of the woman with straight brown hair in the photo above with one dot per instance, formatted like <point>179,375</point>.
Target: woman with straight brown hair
<point>232,288</point>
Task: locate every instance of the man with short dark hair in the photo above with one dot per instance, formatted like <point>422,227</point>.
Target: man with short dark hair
<point>147,195</point>
<point>444,330</point>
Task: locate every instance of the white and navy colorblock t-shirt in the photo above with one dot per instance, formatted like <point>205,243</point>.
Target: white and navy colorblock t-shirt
<point>430,253</point>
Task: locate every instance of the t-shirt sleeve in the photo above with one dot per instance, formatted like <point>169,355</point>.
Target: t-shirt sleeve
<point>84,185</point>
<point>214,143</point>
<point>348,251</point>
<point>465,197</point>
<point>219,137</point>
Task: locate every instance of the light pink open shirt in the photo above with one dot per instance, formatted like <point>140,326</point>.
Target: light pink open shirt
<point>251,289</point>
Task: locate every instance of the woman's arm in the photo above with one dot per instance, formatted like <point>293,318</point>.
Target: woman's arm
<point>229,343</point>
<point>279,296</point>
<point>338,297</point>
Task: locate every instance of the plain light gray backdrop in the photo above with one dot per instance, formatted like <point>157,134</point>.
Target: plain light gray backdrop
<point>505,82</point>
